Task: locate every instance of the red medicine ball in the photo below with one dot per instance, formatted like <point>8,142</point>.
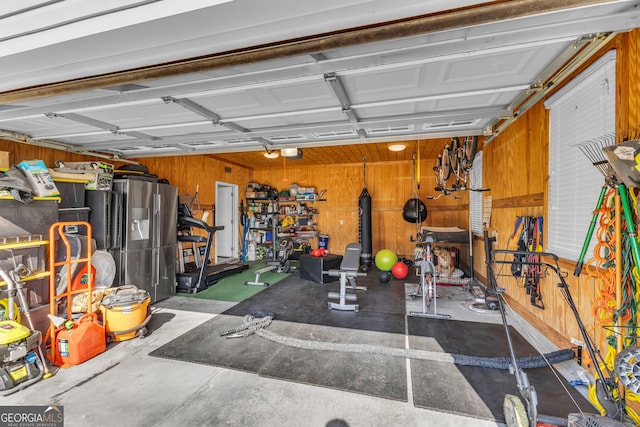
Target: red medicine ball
<point>400,270</point>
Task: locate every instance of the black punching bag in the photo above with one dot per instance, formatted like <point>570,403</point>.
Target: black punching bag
<point>364,225</point>
<point>364,210</point>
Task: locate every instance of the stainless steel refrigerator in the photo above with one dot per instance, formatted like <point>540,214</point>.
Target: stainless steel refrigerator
<point>145,236</point>
<point>103,205</point>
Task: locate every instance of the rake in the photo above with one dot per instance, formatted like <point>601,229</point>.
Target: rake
<point>594,150</point>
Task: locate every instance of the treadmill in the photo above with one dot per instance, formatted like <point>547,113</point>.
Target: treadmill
<point>200,274</point>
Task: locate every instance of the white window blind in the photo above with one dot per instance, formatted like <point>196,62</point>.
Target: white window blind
<point>475,197</point>
<point>581,111</point>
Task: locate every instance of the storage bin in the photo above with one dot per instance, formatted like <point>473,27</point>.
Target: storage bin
<point>323,241</point>
<point>71,194</point>
<point>73,214</point>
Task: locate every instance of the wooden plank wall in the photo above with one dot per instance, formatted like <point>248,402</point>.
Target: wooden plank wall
<point>189,173</point>
<point>390,184</point>
<point>201,172</point>
<point>19,152</point>
<point>515,166</point>
<point>186,172</point>
<point>516,169</point>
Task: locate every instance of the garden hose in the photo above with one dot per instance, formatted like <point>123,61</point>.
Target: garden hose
<point>614,306</point>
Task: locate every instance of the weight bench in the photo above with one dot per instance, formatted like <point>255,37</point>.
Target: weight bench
<point>349,270</point>
<point>257,281</point>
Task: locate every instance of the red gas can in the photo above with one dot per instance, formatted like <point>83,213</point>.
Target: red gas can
<point>85,340</point>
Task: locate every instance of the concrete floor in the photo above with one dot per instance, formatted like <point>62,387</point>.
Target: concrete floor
<point>124,386</point>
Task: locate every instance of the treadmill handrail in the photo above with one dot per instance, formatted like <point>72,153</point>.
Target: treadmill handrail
<point>193,222</point>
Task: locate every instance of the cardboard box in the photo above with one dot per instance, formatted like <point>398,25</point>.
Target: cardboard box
<point>102,174</point>
<point>4,160</point>
<point>39,178</point>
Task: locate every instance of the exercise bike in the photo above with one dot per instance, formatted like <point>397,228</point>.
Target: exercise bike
<point>280,262</point>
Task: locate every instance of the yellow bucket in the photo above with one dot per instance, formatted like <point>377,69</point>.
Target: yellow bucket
<point>125,313</point>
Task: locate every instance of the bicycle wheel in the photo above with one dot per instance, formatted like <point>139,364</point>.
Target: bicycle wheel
<point>441,182</point>
<point>445,167</point>
<point>454,154</point>
<point>459,174</point>
<point>436,169</point>
<point>470,147</point>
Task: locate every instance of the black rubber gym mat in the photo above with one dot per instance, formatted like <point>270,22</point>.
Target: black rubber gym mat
<point>300,309</point>
<point>477,391</point>
<point>381,306</point>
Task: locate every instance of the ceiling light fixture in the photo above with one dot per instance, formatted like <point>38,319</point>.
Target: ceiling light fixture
<point>397,147</point>
<point>291,153</point>
<point>269,154</point>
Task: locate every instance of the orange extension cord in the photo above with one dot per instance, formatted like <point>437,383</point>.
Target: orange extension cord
<point>602,267</point>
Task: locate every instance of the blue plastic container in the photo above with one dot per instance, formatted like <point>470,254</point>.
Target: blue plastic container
<point>323,241</point>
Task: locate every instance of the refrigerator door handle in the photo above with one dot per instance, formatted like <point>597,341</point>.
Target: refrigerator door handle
<point>116,223</point>
<point>157,218</point>
<point>157,221</point>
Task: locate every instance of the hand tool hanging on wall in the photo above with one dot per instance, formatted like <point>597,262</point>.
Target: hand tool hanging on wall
<point>517,267</point>
<point>532,283</point>
<point>605,157</point>
<point>630,230</point>
<point>631,227</point>
<point>592,226</point>
<point>524,265</point>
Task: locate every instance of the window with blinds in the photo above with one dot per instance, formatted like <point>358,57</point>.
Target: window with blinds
<point>475,197</point>
<point>579,112</point>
